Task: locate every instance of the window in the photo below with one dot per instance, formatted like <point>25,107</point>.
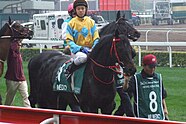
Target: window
<point>43,27</point>
<point>59,23</point>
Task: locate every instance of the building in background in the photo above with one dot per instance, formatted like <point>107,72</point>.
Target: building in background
<point>106,8</point>
<point>22,10</point>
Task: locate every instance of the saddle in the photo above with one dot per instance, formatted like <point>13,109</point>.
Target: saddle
<point>73,84</point>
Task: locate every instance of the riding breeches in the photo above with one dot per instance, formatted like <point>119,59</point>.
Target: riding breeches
<point>80,58</point>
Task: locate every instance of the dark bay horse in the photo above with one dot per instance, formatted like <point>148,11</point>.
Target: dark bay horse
<point>8,32</point>
<point>98,89</point>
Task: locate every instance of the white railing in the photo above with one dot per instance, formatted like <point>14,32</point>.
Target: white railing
<point>165,44</point>
<point>163,30</point>
<point>139,44</point>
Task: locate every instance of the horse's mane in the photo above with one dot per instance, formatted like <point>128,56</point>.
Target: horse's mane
<point>107,29</point>
<point>106,39</point>
<point>105,43</point>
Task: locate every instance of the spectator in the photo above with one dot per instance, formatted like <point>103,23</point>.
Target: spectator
<point>148,91</point>
<point>65,23</point>
<point>15,79</point>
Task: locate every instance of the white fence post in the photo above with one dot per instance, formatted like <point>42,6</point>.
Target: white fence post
<point>54,120</point>
<point>146,37</point>
<point>139,55</point>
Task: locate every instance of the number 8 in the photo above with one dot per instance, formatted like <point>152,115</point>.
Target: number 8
<point>153,97</point>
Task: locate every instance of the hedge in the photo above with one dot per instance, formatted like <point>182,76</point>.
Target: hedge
<point>178,58</point>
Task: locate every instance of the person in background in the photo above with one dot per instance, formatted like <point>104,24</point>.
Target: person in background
<point>71,13</point>
<point>82,35</point>
<point>15,78</point>
<point>125,106</point>
<point>148,91</point>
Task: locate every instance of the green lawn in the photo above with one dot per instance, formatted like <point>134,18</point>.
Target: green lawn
<point>174,81</point>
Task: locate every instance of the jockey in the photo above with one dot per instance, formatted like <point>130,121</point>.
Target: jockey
<point>82,35</point>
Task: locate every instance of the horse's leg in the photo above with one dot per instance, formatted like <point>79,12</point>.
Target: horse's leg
<point>108,109</point>
<point>125,104</point>
<point>86,108</point>
<point>90,108</point>
<point>1,68</point>
<point>75,107</point>
<point>33,84</point>
<point>0,100</point>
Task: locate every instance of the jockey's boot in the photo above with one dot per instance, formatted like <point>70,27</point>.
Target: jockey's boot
<point>71,68</point>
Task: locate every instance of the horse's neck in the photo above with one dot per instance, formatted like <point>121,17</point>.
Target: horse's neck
<point>4,48</point>
<point>99,67</point>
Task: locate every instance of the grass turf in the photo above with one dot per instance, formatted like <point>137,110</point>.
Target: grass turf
<point>174,81</point>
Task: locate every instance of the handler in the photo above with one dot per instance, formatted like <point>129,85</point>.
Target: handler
<point>148,91</point>
<point>15,78</point>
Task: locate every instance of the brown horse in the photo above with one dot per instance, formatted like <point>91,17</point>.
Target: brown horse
<point>11,30</point>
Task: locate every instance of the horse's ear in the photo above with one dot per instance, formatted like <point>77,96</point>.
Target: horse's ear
<point>118,15</point>
<point>9,21</point>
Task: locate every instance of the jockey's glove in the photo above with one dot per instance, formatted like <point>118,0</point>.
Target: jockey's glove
<point>84,50</point>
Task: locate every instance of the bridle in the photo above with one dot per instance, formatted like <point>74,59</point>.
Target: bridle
<point>113,48</point>
<point>129,33</point>
<point>21,35</point>
<point>113,68</point>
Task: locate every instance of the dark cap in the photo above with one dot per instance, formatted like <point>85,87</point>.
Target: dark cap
<point>80,3</point>
<point>150,60</point>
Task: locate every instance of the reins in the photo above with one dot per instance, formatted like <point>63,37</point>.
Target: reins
<point>113,68</point>
<point>98,79</point>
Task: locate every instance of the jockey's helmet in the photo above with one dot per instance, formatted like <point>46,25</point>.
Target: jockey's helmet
<point>80,3</point>
<point>70,9</point>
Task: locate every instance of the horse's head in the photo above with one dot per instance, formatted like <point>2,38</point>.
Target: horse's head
<point>112,49</point>
<point>123,27</point>
<point>124,53</point>
<point>19,31</point>
<point>9,32</point>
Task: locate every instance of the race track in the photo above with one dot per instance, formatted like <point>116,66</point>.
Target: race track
<point>163,33</point>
